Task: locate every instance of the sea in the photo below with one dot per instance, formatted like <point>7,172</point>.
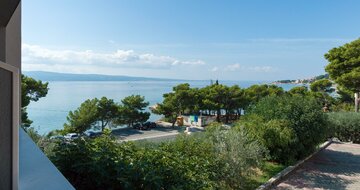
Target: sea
<point>49,113</point>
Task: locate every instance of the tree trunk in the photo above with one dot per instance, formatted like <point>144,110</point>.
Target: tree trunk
<point>218,115</point>
<point>238,113</point>
<point>356,95</point>
<point>226,116</point>
<point>103,125</point>
<point>173,123</point>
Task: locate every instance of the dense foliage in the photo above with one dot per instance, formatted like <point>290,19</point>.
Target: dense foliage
<point>289,126</point>
<point>31,90</point>
<point>345,126</point>
<point>276,135</point>
<point>299,90</point>
<point>224,102</point>
<point>256,92</point>
<point>344,67</point>
<point>83,118</point>
<point>104,112</point>
<point>218,159</point>
<point>132,110</point>
<point>323,85</point>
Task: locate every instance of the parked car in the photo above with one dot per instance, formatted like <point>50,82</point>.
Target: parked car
<point>92,134</point>
<point>140,126</point>
<point>57,137</point>
<point>71,136</point>
<point>150,124</point>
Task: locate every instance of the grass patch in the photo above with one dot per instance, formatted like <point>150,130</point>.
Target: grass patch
<point>268,170</point>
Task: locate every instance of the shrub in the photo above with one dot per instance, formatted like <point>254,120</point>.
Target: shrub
<point>275,135</point>
<point>237,154</point>
<point>199,161</point>
<point>343,107</point>
<point>93,164</point>
<point>186,163</point>
<point>33,134</point>
<point>345,126</point>
<point>294,114</point>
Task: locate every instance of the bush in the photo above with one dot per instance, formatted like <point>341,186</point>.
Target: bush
<point>185,163</point>
<point>237,155</point>
<point>217,160</point>
<point>343,107</point>
<point>299,123</point>
<point>275,135</point>
<point>33,134</point>
<point>345,126</point>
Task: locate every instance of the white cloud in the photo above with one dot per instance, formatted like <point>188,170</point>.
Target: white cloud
<point>214,69</point>
<point>264,69</point>
<point>233,67</point>
<point>33,54</point>
<point>258,69</point>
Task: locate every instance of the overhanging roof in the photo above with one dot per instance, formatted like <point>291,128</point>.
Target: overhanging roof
<point>7,8</point>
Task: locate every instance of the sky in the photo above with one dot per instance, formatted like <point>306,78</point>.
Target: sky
<point>186,39</point>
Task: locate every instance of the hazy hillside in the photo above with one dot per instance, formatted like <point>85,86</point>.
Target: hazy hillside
<point>52,76</point>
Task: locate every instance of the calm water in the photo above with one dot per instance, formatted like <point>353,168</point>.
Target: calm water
<point>50,113</point>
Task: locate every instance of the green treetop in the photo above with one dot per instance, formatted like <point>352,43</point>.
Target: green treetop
<point>323,85</point>
<point>107,110</point>
<point>94,113</point>
<point>168,108</point>
<point>83,118</point>
<point>104,112</point>
<point>132,110</point>
<point>31,90</point>
<point>256,92</point>
<point>344,67</point>
<point>214,99</point>
<point>299,90</point>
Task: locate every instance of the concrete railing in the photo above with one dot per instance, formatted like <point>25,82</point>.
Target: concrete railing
<point>36,170</point>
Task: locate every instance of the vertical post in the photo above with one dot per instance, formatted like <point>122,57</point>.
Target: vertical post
<point>356,97</point>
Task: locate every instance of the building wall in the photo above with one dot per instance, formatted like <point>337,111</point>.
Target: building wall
<point>13,39</point>
<point>10,57</point>
<point>5,129</point>
<point>2,43</point>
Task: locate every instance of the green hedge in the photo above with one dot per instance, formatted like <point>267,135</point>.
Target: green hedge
<point>345,126</point>
<point>218,159</point>
<point>290,126</point>
<point>275,135</point>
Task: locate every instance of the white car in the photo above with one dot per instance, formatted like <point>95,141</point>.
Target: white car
<point>57,137</point>
<point>71,136</point>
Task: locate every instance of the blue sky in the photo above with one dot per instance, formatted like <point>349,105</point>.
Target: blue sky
<point>203,39</point>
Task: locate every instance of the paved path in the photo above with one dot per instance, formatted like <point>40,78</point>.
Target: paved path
<point>336,167</point>
<point>130,134</point>
<point>164,131</point>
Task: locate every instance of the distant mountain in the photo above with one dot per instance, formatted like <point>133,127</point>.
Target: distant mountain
<point>52,76</point>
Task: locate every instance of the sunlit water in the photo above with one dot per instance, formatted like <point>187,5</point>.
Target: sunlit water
<point>50,112</point>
